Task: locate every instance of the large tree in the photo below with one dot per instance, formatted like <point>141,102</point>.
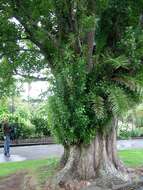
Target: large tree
<point>94,51</point>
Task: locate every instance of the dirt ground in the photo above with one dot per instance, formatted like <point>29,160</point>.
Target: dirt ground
<point>23,181</point>
<point>12,182</point>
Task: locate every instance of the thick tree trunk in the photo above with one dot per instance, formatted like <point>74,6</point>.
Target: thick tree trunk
<point>65,156</point>
<point>97,160</point>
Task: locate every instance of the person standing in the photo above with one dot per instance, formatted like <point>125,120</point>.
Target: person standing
<point>7,131</point>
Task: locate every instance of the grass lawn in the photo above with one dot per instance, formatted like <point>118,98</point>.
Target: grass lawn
<point>46,167</point>
<point>132,158</point>
<point>31,165</point>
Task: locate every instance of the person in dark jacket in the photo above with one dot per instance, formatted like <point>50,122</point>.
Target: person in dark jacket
<point>6,131</point>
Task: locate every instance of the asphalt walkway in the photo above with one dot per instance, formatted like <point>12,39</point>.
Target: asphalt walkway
<point>44,151</point>
<point>32,152</point>
<point>130,144</point>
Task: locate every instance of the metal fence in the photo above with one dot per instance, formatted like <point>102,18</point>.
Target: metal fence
<point>31,141</point>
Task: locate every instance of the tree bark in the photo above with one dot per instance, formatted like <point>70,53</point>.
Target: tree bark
<point>65,156</point>
<point>96,160</point>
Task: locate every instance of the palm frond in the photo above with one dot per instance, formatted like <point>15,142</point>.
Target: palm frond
<point>98,106</point>
<point>118,100</point>
<point>116,62</point>
<point>135,84</point>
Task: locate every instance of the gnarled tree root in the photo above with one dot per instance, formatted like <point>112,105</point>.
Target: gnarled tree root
<point>97,160</point>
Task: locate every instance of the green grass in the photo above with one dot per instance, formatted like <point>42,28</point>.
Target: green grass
<point>46,167</point>
<point>132,158</point>
<point>31,165</point>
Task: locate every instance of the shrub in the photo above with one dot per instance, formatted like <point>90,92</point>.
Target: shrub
<point>126,134</point>
<point>24,132</point>
<point>22,128</point>
<point>41,126</point>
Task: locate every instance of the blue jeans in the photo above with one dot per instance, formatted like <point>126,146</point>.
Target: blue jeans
<point>7,145</point>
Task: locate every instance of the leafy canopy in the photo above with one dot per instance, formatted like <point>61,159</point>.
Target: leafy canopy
<point>94,51</point>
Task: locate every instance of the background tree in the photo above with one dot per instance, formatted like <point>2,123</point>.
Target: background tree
<point>93,49</point>
<point>19,118</point>
<point>40,120</point>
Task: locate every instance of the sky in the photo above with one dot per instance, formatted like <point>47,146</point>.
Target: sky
<point>35,89</point>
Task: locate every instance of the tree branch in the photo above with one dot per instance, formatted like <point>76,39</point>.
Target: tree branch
<point>90,45</point>
<point>32,38</point>
<point>33,78</point>
<point>31,31</point>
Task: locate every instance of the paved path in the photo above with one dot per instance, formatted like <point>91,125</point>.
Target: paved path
<point>130,144</point>
<point>44,151</point>
<point>32,152</point>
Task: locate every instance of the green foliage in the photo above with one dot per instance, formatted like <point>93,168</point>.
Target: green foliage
<point>138,132</point>
<point>25,132</point>
<point>135,116</point>
<point>7,82</point>
<point>124,134</point>
<point>118,100</point>
<point>41,126</point>
<point>117,62</point>
<point>23,127</point>
<point>20,119</point>
<point>98,106</point>
<point>89,22</point>
<point>127,133</point>
<point>67,111</point>
<point>3,106</point>
<point>40,120</point>
<point>91,85</point>
<point>58,119</point>
<point>81,105</point>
